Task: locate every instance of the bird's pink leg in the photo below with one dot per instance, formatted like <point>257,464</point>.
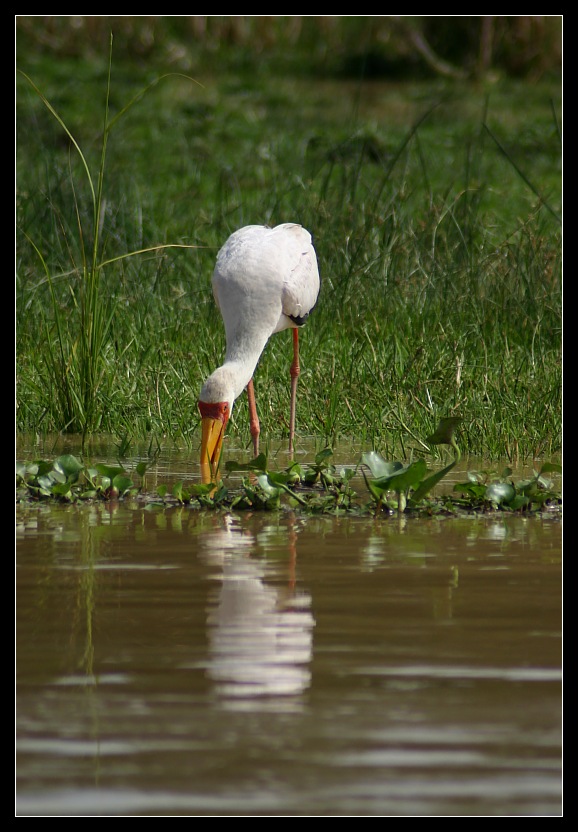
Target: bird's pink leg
<point>295,370</point>
<point>253,418</point>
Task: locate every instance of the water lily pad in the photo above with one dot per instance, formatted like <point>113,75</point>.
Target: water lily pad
<point>500,492</point>
<point>378,466</point>
<point>69,465</point>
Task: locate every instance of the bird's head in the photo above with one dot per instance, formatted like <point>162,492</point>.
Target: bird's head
<point>216,399</point>
<point>214,418</point>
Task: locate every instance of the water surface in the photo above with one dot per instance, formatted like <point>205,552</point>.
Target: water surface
<point>178,662</point>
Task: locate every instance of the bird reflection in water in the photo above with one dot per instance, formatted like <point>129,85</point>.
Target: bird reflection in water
<point>260,631</point>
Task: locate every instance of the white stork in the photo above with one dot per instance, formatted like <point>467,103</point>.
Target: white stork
<point>265,280</point>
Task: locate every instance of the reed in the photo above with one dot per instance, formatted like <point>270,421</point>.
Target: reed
<point>76,365</point>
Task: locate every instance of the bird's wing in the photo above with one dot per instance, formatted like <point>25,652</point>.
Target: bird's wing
<point>301,274</point>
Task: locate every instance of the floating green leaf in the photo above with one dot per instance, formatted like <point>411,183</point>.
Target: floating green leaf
<point>61,489</point>
<point>378,466</point>
<point>402,478</point>
<point>180,493</point>
<point>110,471</point>
<point>500,492</point>
<point>257,464</point>
<point>122,483</point>
<point>69,465</point>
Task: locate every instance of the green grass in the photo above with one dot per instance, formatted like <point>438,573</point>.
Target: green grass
<point>435,212</point>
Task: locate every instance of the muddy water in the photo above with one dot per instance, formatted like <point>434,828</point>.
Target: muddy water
<point>177,662</point>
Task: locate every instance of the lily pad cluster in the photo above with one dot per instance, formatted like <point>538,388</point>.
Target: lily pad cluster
<point>69,480</point>
<point>318,487</point>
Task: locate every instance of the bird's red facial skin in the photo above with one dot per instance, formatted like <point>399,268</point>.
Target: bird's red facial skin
<point>214,410</point>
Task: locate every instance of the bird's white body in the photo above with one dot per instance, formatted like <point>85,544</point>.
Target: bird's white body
<point>265,280</point>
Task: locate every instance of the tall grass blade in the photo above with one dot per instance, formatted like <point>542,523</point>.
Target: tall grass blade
<point>522,175</point>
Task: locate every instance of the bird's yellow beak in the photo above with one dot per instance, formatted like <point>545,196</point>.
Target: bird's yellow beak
<point>213,423</point>
<point>213,431</point>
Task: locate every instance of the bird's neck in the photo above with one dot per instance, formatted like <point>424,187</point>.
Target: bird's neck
<point>244,348</point>
<point>243,353</point>
<point>240,371</point>
<point>228,381</point>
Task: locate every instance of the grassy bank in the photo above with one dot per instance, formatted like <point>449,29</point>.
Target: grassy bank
<point>435,209</point>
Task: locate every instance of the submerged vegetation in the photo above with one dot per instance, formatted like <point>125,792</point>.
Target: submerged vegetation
<point>435,208</point>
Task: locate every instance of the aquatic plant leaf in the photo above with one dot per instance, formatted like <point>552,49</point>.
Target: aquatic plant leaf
<point>443,434</point>
<point>110,471</point>
<point>182,494</point>
<point>201,489</point>
<point>376,493</point>
<point>295,473</point>
<point>257,464</point>
<point>209,495</point>
<point>378,466</point>
<point>518,502</point>
<point>278,478</point>
<point>42,467</point>
<point>26,470</point>
<point>531,487</point>
<point>473,489</point>
<point>44,481</point>
<point>69,465</point>
<point>61,489</point>
<point>430,482</point>
<point>346,474</point>
<point>281,482</point>
<point>322,456</point>
<point>551,467</point>
<point>500,492</point>
<point>269,488</point>
<point>402,478</point>
<point>122,483</point>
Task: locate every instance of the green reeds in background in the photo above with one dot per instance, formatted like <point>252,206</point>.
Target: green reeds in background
<point>77,337</point>
<point>435,208</point>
